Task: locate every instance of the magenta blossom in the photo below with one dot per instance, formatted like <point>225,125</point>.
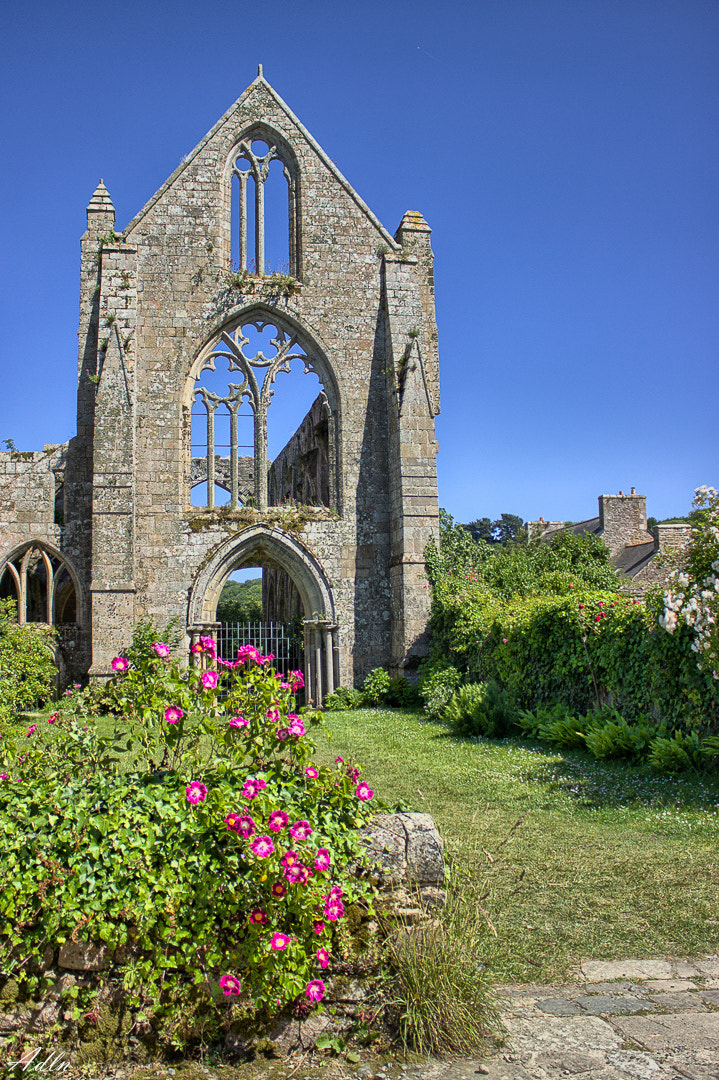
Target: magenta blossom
<point>318,926</point>
<point>239,721</point>
<point>273,715</point>
<point>230,984</point>
<point>277,820</point>
<point>297,874</point>
<point>323,861</point>
<point>278,890</point>
<point>363,791</point>
<point>209,679</point>
<point>208,644</point>
<point>196,792</point>
<point>298,680</point>
<point>162,650</point>
<point>173,714</point>
<point>246,826</point>
<point>120,664</point>
<point>289,858</point>
<point>264,659</point>
<point>31,730</point>
<point>312,772</point>
<point>247,652</point>
<point>3,776</point>
<point>52,718</point>
<point>323,957</point>
<point>297,728</point>
<point>279,942</point>
<point>315,990</point>
<point>252,787</point>
<point>283,734</point>
<point>301,830</point>
<point>262,847</point>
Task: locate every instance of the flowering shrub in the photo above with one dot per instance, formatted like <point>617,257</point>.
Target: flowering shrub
<point>219,860</point>
<point>693,596</point>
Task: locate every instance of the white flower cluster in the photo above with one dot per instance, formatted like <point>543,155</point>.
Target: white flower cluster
<point>697,603</point>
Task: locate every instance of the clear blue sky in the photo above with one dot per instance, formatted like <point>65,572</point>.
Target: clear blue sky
<point>564,152</point>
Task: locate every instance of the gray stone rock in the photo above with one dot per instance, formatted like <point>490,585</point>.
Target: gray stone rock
<point>667,1032</point>
<point>83,956</point>
<point>406,849</point>
<point>558,1007</point>
<point>609,1004</point>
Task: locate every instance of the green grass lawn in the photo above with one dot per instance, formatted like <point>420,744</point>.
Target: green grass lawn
<point>570,858</point>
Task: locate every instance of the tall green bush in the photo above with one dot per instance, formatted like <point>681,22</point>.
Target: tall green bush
<point>27,665</point>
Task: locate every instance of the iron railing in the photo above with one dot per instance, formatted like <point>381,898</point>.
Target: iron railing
<point>275,638</point>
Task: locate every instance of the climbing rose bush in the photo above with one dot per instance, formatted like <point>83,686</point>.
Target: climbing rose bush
<point>693,595</point>
<point>220,859</point>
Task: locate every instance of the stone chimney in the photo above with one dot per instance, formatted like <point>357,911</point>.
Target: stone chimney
<point>623,520</point>
<point>100,212</point>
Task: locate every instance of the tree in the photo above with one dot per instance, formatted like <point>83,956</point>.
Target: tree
<point>507,528</point>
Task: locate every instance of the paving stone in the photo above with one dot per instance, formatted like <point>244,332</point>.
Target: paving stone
<point>557,1033</point>
<point>697,1030</point>
<point>610,987</point>
<point>634,1063</point>
<point>670,985</point>
<point>558,1007</point>
<point>710,996</point>
<point>599,970</point>
<point>606,1004</point>
<point>678,1002</point>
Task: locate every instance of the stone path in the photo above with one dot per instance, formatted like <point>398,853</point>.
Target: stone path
<point>641,1019</point>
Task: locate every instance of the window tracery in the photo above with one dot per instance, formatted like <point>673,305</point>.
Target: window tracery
<point>251,169</point>
<point>41,584</point>
<point>242,350</point>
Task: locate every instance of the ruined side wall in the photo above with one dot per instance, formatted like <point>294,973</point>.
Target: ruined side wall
<point>301,471</point>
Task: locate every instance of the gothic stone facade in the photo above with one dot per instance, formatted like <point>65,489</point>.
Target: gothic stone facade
<point>102,531</point>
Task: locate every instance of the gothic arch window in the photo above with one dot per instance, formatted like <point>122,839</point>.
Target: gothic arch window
<point>230,391</point>
<point>266,205</point>
<point>41,583</point>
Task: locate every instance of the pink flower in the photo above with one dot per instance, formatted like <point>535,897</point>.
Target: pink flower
<point>52,718</point>
<point>246,826</point>
<point>173,714</point>
<point>504,640</point>
<point>209,679</point>
<point>315,990</point>
<point>278,890</point>
<point>597,618</point>
<point>283,734</point>
<point>323,957</point>
<point>323,861</point>
<point>196,792</point>
<point>239,721</point>
<point>264,659</point>
<point>208,644</point>
<point>262,847</point>
<point>298,680</point>
<point>279,942</point>
<point>120,664</point>
<point>31,730</point>
<point>312,772</point>
<point>277,820</point>
<point>232,821</point>
<point>289,858</point>
<point>252,787</point>
<point>581,606</point>
<point>162,650</point>
<point>78,686</point>
<point>258,917</point>
<point>318,926</point>
<point>230,984</point>
<point>363,791</point>
<point>3,776</point>
<point>297,874</point>
<point>273,715</point>
<point>339,761</point>
<point>247,652</point>
<point>297,728</point>
<point>301,830</point>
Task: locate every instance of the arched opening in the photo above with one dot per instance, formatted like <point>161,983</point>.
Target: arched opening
<point>295,596</point>
<point>244,453</point>
<point>265,199</point>
<point>42,584</point>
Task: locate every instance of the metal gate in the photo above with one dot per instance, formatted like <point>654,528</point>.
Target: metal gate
<point>282,641</point>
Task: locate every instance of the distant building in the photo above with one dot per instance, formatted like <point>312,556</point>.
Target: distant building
<point>642,556</point>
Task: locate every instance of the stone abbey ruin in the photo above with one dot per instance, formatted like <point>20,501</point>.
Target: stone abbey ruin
<point>104,530</point>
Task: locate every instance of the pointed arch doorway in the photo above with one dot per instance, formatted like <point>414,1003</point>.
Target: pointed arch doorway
<point>273,549</point>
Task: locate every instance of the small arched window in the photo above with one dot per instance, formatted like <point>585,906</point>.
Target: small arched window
<point>266,220</point>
